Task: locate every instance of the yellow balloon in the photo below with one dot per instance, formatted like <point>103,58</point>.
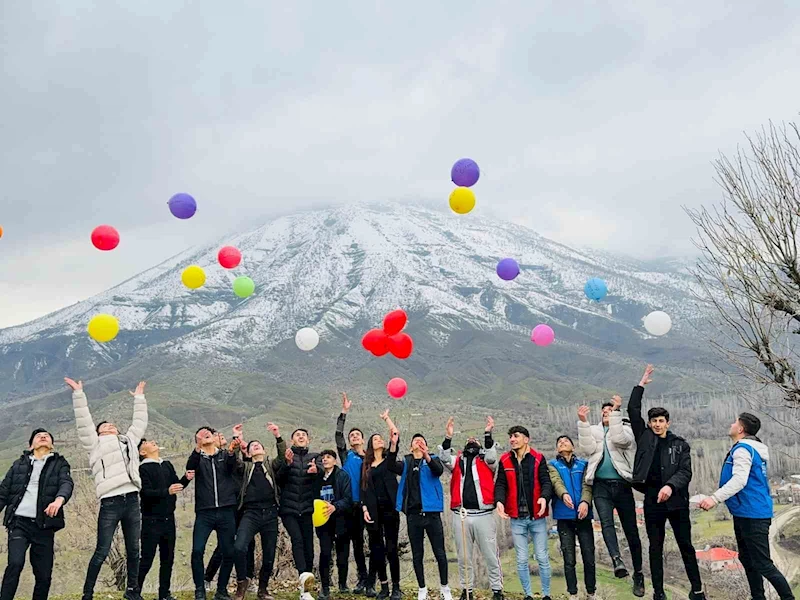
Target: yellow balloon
<point>193,277</point>
<point>462,200</point>
<point>103,328</point>
<point>319,518</point>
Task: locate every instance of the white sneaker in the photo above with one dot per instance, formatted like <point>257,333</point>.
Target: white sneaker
<point>422,594</point>
<point>306,596</point>
<point>307,582</point>
<point>446,593</point>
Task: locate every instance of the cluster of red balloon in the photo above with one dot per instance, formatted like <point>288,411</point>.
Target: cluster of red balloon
<point>391,340</point>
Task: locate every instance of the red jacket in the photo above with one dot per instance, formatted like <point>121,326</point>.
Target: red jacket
<point>507,479</point>
<point>485,479</point>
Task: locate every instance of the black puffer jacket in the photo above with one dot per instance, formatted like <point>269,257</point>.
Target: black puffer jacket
<point>55,480</point>
<point>215,486</point>
<point>297,485</point>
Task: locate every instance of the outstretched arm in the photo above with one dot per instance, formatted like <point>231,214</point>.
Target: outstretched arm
<point>139,423</point>
<point>618,433</point>
<point>586,442</point>
<point>635,404</point>
<point>83,418</point>
<point>341,445</point>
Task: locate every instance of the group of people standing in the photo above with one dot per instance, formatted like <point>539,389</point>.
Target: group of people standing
<point>241,493</point>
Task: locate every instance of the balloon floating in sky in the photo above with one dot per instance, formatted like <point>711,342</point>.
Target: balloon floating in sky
<point>397,387</point>
<point>105,237</point>
<point>465,172</point>
<point>306,339</point>
<point>507,269</point>
<point>394,322</point>
<point>319,517</point>
<point>657,323</point>
<point>401,345</point>
<point>103,328</point>
<point>543,335</point>
<point>462,200</point>
<point>193,277</point>
<point>595,289</point>
<point>243,286</point>
<point>182,206</point>
<point>1,232</point>
<point>376,342</point>
<point>229,257</point>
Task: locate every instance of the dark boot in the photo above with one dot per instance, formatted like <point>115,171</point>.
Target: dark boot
<point>369,592</point>
<point>384,593</point>
<point>638,585</point>
<point>263,594</point>
<point>396,594</point>
<point>497,595</point>
<point>241,589</point>
<point>697,596</point>
<point>325,594</point>
<point>361,586</point>
<point>619,567</point>
<point>200,593</point>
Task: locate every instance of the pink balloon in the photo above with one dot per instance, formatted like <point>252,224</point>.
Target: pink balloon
<point>543,335</point>
<point>397,387</point>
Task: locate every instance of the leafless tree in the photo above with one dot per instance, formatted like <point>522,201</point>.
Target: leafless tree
<point>749,268</point>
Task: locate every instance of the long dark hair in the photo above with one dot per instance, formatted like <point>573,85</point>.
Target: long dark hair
<point>366,464</point>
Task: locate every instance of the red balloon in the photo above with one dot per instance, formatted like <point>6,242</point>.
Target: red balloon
<point>397,387</point>
<point>394,322</point>
<point>401,345</point>
<point>375,341</point>
<point>229,257</point>
<point>105,237</point>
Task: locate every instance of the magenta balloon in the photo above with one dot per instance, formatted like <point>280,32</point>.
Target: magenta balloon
<point>507,269</point>
<point>465,172</point>
<point>397,387</point>
<point>543,335</point>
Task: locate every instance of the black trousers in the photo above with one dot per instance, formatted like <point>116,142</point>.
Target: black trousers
<point>752,537</point>
<point>301,531</point>
<point>114,511</point>
<point>568,531</point>
<point>354,534</point>
<point>610,494</point>
<point>327,539</point>
<point>655,518</point>
<point>418,526</point>
<point>223,521</point>
<point>263,521</point>
<point>158,533</point>
<point>215,561</point>
<point>24,533</point>
<point>383,533</point>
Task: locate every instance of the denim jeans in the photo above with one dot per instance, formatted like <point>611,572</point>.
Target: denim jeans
<point>223,521</point>
<point>418,525</point>
<point>610,494</point>
<point>327,541</point>
<point>752,537</point>
<point>158,533</point>
<point>263,521</point>
<point>301,531</point>
<point>522,531</point>
<point>24,533</point>
<point>113,511</point>
<point>655,518</point>
<point>568,530</point>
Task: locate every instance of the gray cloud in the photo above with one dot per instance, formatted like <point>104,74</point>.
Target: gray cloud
<point>593,125</point>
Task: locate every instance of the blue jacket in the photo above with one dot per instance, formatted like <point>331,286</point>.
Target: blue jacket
<point>352,466</point>
<point>753,501</point>
<point>429,483</point>
<point>569,479</point>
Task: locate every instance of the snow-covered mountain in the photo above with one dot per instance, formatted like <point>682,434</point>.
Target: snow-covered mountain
<point>339,270</point>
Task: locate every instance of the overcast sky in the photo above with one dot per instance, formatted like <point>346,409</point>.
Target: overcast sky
<point>592,124</point>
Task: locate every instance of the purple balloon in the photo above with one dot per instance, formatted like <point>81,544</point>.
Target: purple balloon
<point>465,172</point>
<point>182,206</point>
<point>507,269</point>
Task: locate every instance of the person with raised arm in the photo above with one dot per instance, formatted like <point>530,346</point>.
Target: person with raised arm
<point>213,465</point>
<point>114,461</point>
<point>662,471</point>
<point>259,497</point>
<point>379,472</point>
<point>611,448</point>
<point>352,461</point>
<point>296,478</point>
<point>744,488</point>
<point>572,510</point>
<point>522,491</point>
<point>472,506</point>
<point>33,494</point>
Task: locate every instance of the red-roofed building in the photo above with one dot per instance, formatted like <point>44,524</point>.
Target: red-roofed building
<point>717,559</point>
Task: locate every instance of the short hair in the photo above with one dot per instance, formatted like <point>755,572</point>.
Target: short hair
<point>97,429</point>
<point>352,429</point>
<point>418,435</point>
<point>328,452</point>
<point>139,445</point>
<point>607,403</point>
<point>518,429</point>
<point>37,432</point>
<point>251,442</point>
<point>750,423</point>
<point>656,412</point>
<point>561,437</point>
<point>211,429</point>
<point>303,429</point>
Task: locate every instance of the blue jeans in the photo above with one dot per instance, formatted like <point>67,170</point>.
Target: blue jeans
<point>522,531</point>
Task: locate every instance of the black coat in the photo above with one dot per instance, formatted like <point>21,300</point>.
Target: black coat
<point>368,497</point>
<point>55,480</point>
<point>342,496</point>
<point>215,486</point>
<point>676,457</point>
<point>297,485</point>
<point>156,501</point>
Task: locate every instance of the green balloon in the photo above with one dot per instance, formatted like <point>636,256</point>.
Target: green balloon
<point>243,286</point>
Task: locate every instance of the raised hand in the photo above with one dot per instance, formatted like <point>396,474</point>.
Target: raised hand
<point>289,456</point>
<point>583,414</point>
<point>76,386</point>
<point>385,414</point>
<point>583,510</point>
<point>273,429</point>
<point>139,391</point>
<point>53,508</point>
<point>617,401</point>
<point>346,404</point>
<point>175,488</point>
<point>312,468</point>
<point>423,447</point>
<point>648,376</point>
<point>237,430</point>
<point>449,427</point>
<point>567,500</point>
<point>394,436</point>
<point>489,424</point>
<point>542,507</point>
<point>501,511</point>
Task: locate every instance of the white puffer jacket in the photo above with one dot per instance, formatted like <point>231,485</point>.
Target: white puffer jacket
<point>114,459</point>
<point>621,445</point>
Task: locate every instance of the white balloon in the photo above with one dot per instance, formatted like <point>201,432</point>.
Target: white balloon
<point>657,323</point>
<point>306,339</point>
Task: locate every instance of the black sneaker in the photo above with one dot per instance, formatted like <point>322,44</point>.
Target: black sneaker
<point>131,594</point>
<point>528,597</point>
<point>200,593</point>
<point>343,589</point>
<point>370,591</point>
<point>325,594</point>
<point>497,595</point>
<point>546,598</point>
<point>361,587</point>
<point>697,596</point>
<point>463,595</point>
<point>659,596</point>
<point>384,593</point>
<point>396,594</point>
<point>638,585</point>
<point>619,567</point>
<point>222,595</point>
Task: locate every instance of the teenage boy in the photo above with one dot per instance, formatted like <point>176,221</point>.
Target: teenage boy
<point>662,471</point>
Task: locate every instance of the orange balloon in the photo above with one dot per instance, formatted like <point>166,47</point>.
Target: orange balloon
<point>1,232</point>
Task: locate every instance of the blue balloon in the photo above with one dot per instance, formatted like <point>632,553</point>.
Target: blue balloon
<point>595,289</point>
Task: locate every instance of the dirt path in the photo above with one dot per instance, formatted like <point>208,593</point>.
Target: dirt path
<point>787,562</point>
